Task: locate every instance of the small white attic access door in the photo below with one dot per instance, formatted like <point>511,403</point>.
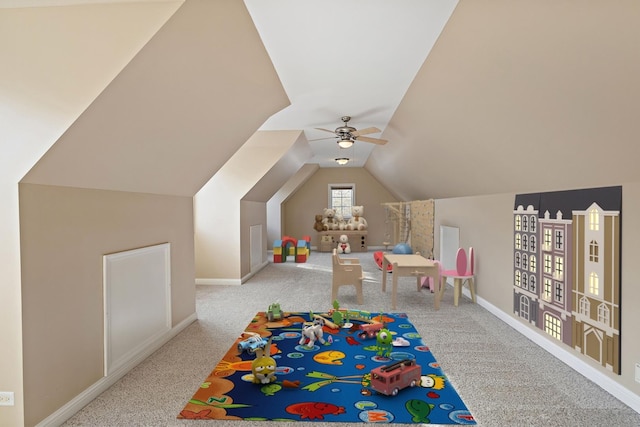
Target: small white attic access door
<point>255,236</point>
<point>137,302</point>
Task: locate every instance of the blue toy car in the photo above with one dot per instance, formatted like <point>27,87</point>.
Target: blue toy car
<point>252,344</point>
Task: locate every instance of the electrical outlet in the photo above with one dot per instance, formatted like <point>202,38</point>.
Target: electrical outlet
<point>6,398</point>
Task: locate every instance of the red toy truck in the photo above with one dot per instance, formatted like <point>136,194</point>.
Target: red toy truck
<point>390,379</point>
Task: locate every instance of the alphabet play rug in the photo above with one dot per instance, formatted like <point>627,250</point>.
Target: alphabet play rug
<point>340,366</point>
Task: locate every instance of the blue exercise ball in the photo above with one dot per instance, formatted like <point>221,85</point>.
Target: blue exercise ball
<point>402,248</point>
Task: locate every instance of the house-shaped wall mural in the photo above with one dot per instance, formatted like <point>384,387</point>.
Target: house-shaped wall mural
<point>567,268</point>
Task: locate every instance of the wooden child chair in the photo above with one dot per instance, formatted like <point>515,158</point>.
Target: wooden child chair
<point>346,271</point>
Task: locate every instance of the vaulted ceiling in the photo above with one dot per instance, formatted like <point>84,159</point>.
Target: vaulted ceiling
<point>475,97</point>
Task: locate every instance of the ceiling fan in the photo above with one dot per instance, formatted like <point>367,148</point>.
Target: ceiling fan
<point>347,135</point>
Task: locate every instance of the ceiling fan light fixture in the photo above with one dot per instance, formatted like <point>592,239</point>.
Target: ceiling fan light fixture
<point>342,160</point>
<point>345,142</point>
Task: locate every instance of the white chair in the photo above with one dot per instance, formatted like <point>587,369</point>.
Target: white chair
<point>463,273</point>
<point>346,271</point>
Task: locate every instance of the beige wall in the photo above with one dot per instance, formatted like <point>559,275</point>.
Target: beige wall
<point>64,234</point>
<point>485,223</point>
<point>312,197</point>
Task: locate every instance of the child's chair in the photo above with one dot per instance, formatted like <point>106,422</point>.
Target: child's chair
<point>464,273</point>
<point>346,271</point>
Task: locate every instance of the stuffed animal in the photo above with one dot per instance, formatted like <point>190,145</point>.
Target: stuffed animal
<point>318,225</point>
<point>342,224</point>
<point>329,219</point>
<point>264,366</point>
<point>312,333</point>
<point>357,221</point>
<point>343,244</point>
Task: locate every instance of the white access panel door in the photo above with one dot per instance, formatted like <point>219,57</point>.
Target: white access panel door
<point>137,302</point>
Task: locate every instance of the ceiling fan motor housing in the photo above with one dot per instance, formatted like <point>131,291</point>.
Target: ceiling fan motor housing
<point>344,132</point>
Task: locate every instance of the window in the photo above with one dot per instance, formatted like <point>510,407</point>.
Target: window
<point>559,293</point>
<point>594,220</point>
<point>559,240</point>
<point>604,314</point>
<point>547,263</point>
<point>593,251</point>
<point>552,326</point>
<point>532,243</point>
<point>533,263</point>
<point>585,306</point>
<point>525,243</point>
<point>532,224</point>
<point>594,284</point>
<point>517,260</point>
<point>532,283</point>
<point>547,238</point>
<point>525,281</point>
<point>546,291</point>
<point>559,267</point>
<point>518,224</point>
<point>517,279</point>
<point>341,198</point>
<point>518,241</point>
<point>525,223</point>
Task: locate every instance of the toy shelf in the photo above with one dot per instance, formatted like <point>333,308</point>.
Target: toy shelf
<point>329,240</point>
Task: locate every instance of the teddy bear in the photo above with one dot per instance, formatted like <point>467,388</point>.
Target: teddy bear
<point>318,225</point>
<point>342,223</point>
<point>357,221</point>
<point>343,245</point>
<point>329,219</point>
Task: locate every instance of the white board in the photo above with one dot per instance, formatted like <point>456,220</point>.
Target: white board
<point>449,244</point>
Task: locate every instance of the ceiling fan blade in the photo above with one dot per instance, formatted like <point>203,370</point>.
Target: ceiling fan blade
<point>366,131</point>
<point>326,130</point>
<point>322,139</point>
<point>373,140</point>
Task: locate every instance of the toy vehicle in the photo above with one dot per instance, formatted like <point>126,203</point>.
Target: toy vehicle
<point>252,344</point>
<point>390,379</point>
<point>369,330</point>
<point>274,312</point>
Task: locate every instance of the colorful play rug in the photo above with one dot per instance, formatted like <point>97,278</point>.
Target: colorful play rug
<point>330,381</point>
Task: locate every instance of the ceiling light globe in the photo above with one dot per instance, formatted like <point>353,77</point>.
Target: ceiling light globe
<point>345,143</point>
<point>342,160</point>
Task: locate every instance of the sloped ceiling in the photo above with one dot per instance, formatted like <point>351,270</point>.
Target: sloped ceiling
<point>520,96</point>
<point>55,61</point>
<point>180,109</point>
<point>514,96</point>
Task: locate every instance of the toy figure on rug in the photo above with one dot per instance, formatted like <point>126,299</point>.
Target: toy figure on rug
<point>384,343</point>
<point>264,366</point>
<point>313,332</point>
<point>343,244</point>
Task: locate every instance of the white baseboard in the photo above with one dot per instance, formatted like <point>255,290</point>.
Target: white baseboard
<point>80,401</point>
<point>231,282</point>
<point>623,394</point>
<point>219,282</point>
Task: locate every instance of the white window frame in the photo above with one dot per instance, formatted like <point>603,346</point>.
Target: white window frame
<point>351,186</point>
